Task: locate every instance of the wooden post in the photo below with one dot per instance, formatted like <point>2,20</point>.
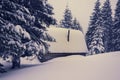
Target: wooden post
<point>68,36</point>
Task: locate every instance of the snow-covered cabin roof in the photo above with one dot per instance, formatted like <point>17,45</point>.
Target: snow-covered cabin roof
<point>75,45</point>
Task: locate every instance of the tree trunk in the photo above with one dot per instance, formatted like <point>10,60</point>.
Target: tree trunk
<point>15,62</point>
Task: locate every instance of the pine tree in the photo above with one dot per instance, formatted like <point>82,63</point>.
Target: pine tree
<point>93,24</point>
<point>15,13</point>
<point>12,17</point>
<point>116,29</point>
<point>97,45</point>
<point>107,24</point>
<point>22,27</point>
<point>67,21</point>
<point>99,37</point>
<point>40,9</point>
<point>76,25</point>
<point>11,37</point>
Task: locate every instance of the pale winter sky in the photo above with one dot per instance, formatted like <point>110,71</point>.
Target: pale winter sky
<point>81,9</point>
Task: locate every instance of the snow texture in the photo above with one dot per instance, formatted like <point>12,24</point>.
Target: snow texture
<point>97,67</point>
<point>75,45</point>
<point>22,31</point>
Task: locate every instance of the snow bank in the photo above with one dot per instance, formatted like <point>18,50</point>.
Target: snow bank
<point>97,67</point>
<point>75,45</point>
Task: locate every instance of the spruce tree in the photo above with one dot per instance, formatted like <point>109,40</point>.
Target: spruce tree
<point>67,21</point>
<point>107,24</point>
<point>11,37</point>
<point>93,24</point>
<point>97,45</point>
<point>116,29</point>
<point>76,25</point>
<point>13,16</point>
<point>22,31</point>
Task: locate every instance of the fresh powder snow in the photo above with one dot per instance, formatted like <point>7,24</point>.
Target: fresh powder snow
<point>76,67</point>
<point>75,45</point>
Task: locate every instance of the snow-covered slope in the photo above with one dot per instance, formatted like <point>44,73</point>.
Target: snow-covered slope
<point>97,67</point>
<point>76,43</point>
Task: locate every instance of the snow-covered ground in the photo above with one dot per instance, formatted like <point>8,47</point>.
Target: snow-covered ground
<point>76,43</point>
<point>96,67</point>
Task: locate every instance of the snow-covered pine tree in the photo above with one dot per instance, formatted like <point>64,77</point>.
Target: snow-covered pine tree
<point>15,13</point>
<point>97,45</point>
<point>42,11</point>
<point>76,25</point>
<point>67,20</point>
<point>22,14</point>
<point>93,24</point>
<point>12,40</point>
<point>116,29</point>
<point>11,37</point>
<point>107,24</point>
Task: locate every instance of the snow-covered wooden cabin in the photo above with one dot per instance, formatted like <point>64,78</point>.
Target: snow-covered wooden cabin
<point>75,45</point>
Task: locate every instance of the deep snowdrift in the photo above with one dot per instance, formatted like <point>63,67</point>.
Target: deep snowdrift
<point>76,43</point>
<point>97,67</point>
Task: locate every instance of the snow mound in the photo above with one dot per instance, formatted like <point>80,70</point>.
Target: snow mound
<point>75,45</point>
<point>97,67</point>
